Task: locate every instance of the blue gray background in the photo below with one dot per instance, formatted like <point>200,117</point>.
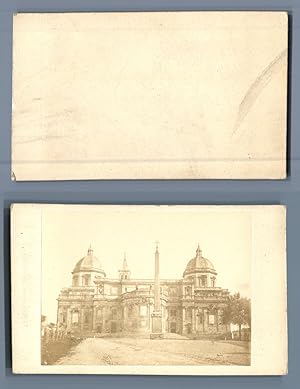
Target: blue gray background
<point>150,192</point>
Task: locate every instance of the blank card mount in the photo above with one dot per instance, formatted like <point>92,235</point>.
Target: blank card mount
<point>154,95</point>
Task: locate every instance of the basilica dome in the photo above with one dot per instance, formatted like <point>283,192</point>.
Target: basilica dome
<point>88,263</point>
<point>199,264</point>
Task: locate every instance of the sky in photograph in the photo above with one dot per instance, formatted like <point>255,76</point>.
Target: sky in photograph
<point>224,236</point>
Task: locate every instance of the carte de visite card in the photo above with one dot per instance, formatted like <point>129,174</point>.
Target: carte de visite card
<point>149,95</point>
<point>168,290</point>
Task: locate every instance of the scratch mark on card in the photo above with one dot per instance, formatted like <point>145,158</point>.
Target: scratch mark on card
<point>41,138</point>
<point>257,87</point>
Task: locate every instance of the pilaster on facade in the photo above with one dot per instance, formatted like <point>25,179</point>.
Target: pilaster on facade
<point>191,305</point>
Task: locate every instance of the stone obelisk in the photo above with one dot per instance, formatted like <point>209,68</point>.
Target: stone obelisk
<point>156,316</point>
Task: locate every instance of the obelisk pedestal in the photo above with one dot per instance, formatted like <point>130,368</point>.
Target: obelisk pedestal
<point>156,317</point>
<point>156,326</point>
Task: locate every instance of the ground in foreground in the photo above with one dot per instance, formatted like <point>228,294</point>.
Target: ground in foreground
<point>131,351</point>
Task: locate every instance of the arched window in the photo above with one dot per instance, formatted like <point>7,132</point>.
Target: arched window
<point>86,280</point>
<point>203,281</point>
<point>114,313</point>
<point>213,281</point>
<point>130,311</point>
<point>200,317</point>
<point>86,317</point>
<point>188,291</point>
<point>75,317</point>
<point>75,281</point>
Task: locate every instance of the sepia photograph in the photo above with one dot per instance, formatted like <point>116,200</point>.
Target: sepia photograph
<point>155,286</point>
<point>156,303</point>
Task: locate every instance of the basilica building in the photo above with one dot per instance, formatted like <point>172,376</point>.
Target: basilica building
<point>95,304</point>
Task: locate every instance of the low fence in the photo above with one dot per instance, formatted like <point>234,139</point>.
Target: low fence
<point>245,335</point>
<point>56,344</point>
<point>49,334</point>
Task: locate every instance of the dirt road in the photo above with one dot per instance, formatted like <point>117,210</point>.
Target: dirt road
<point>128,351</point>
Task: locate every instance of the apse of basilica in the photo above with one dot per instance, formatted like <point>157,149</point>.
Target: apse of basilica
<point>95,304</point>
